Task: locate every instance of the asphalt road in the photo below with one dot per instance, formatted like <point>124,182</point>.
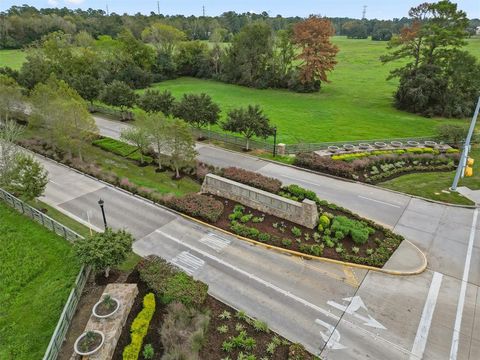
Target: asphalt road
<point>338,312</point>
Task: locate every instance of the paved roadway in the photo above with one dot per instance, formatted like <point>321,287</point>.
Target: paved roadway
<point>340,312</point>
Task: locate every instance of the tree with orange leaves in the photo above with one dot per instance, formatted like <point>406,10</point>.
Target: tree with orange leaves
<point>317,55</point>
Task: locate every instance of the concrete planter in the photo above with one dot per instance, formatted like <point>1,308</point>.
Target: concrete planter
<point>380,144</point>
<point>396,143</point>
<point>95,309</point>
<point>91,352</point>
<point>349,147</point>
<point>333,149</point>
<point>430,144</point>
<point>413,143</point>
<point>364,146</point>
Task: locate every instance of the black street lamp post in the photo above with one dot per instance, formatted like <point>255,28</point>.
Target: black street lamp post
<point>274,141</point>
<point>101,202</point>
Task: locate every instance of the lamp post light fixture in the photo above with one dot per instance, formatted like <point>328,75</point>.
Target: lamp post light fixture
<point>101,203</point>
<point>274,141</point>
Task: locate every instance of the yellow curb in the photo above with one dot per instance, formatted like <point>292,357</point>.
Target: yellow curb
<point>319,258</point>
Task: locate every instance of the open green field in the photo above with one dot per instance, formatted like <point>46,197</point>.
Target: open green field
<point>37,271</point>
<point>356,105</point>
<point>12,58</point>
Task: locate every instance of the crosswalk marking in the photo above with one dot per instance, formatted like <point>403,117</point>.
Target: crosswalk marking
<point>188,262</point>
<point>215,242</point>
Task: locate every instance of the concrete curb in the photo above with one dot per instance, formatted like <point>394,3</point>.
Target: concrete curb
<point>416,271</point>
<point>421,268</point>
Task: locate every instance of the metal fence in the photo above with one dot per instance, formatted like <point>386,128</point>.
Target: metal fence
<point>232,140</point>
<point>38,216</point>
<point>68,311</point>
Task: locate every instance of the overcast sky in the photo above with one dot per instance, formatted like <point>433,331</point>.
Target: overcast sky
<point>381,9</point>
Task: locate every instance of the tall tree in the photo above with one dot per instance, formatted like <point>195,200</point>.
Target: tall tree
<point>118,94</point>
<point>139,137</point>
<point>181,145</point>
<point>436,78</point>
<point>10,133</point>
<point>60,109</point>
<point>164,37</point>
<point>156,125</point>
<point>317,54</point>
<point>103,250</point>
<point>249,122</point>
<point>155,101</point>
<point>28,178</point>
<point>11,99</point>
<point>198,110</point>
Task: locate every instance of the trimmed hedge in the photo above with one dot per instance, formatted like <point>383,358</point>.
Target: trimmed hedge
<point>196,205</point>
<point>253,179</point>
<point>122,149</point>
<point>171,284</point>
<point>139,328</point>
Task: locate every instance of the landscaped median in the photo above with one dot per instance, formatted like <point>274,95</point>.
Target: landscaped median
<point>339,234</point>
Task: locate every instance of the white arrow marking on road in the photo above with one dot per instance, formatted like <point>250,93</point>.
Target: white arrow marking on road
<point>331,336</point>
<point>356,303</point>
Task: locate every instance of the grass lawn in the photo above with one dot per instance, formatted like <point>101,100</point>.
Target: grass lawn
<point>37,271</point>
<point>12,58</point>
<point>436,185</point>
<point>356,105</point>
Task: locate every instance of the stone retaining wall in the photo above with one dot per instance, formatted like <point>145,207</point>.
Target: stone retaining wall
<point>303,213</point>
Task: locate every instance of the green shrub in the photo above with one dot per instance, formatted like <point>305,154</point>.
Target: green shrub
<point>298,352</point>
<point>239,208</point>
<point>369,251</point>
<point>246,218</point>
<point>339,235</point>
<point>244,230</point>
<point>355,250</point>
<point>299,193</point>
<point>225,315</point>
<point>320,228</point>
<point>139,328</point>
<point>296,231</point>
<point>316,250</point>
<point>258,219</point>
<point>223,329</point>
<point>183,288</point>
<point>324,221</point>
<point>358,230</point>
<point>148,352</point>
<point>328,241</point>
<point>261,326</point>
<point>264,237</point>
<point>235,215</point>
<point>287,242</point>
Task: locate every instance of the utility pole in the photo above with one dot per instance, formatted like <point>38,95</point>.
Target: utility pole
<point>364,13</point>
<point>107,9</point>
<point>203,10</point>
<point>466,148</point>
<point>158,8</point>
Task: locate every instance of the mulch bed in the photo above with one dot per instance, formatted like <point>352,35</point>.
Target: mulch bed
<point>277,236</point>
<point>213,345</point>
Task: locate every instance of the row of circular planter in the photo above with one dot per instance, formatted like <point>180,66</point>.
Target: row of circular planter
<point>92,341</point>
<point>380,145</point>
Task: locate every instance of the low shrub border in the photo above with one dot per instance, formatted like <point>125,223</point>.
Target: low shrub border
<point>380,165</point>
<point>139,328</point>
<point>252,179</point>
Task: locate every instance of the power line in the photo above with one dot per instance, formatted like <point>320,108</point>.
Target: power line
<point>364,13</point>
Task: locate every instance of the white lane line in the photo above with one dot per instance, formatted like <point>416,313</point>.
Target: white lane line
<point>463,290</point>
<point>215,242</point>
<point>188,262</point>
<point>426,319</point>
<point>284,292</point>
<point>378,201</point>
